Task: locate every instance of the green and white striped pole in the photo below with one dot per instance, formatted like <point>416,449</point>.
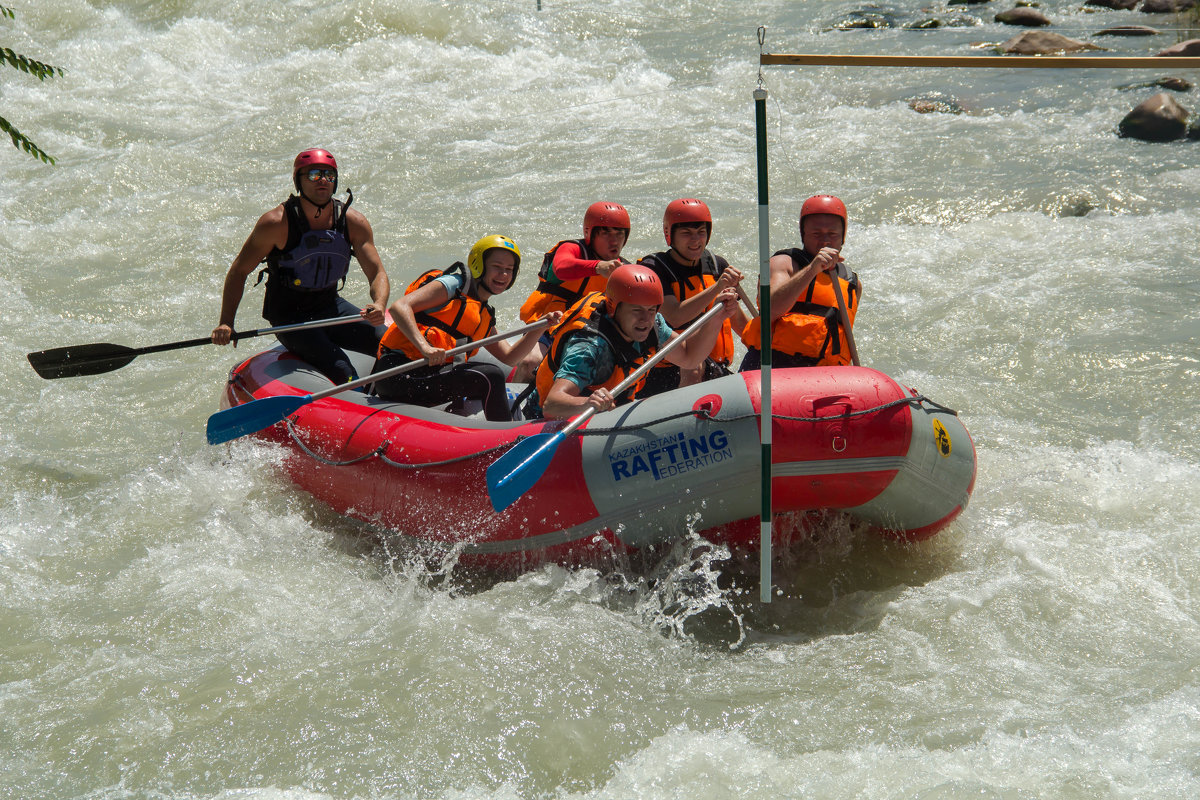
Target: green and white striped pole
<point>764,304</point>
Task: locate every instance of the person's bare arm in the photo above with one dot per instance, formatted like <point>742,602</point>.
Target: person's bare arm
<point>270,232</point>
<point>362,239</point>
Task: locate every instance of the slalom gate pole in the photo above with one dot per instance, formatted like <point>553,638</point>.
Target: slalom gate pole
<point>765,419</point>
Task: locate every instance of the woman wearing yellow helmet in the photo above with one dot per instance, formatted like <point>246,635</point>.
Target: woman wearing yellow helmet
<point>444,308</point>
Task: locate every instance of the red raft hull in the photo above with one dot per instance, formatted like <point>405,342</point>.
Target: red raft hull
<point>848,439</point>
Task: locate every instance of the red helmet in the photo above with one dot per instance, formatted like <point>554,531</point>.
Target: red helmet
<point>605,215</point>
<point>823,204</point>
<point>315,157</point>
<point>633,283</point>
<point>683,211</point>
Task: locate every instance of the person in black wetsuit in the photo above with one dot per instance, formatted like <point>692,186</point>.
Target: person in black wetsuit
<point>307,243</point>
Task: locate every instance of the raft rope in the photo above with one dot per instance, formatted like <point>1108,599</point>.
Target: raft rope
<point>380,452</point>
<point>704,414</point>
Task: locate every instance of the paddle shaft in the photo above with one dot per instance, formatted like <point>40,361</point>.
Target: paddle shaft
<point>411,365</point>
<point>746,299</point>
<point>236,335</point>
<point>298,326</point>
<point>636,375</point>
<point>837,291</point>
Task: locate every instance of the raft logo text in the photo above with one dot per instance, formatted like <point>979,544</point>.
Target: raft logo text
<point>671,455</point>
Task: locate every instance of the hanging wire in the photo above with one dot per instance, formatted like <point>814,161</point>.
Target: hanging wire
<point>762,39</point>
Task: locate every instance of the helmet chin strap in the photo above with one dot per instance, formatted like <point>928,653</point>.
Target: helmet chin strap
<point>320,208</point>
<point>691,262</point>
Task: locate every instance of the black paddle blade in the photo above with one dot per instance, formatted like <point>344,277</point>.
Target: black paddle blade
<point>81,359</point>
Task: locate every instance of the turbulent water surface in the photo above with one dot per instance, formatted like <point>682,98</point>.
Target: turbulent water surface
<point>178,622</point>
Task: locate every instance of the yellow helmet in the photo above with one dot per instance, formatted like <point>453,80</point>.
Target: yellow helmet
<point>493,242</point>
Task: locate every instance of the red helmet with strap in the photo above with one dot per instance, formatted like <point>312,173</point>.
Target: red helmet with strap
<point>633,283</point>
<point>683,211</point>
<point>315,157</point>
<point>605,215</point>
<point>823,204</point>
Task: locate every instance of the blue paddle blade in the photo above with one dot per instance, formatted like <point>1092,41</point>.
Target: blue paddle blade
<point>514,473</point>
<point>227,425</point>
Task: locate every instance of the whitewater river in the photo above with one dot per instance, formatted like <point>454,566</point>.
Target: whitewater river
<point>177,622</point>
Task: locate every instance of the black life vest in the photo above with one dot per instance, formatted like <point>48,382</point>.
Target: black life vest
<point>686,282</point>
<point>311,260</point>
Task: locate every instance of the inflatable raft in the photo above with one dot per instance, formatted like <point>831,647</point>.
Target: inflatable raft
<point>848,439</point>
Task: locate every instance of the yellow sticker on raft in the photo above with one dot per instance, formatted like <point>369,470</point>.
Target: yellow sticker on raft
<point>942,436</point>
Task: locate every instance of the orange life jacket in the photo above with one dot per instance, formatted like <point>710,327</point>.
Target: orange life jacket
<point>812,326</point>
<point>550,296</point>
<point>686,282</point>
<point>460,320</point>
<point>589,317</point>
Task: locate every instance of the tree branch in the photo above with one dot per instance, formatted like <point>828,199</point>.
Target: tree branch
<point>36,68</point>
<point>22,141</point>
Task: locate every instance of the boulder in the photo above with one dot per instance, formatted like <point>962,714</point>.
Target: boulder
<point>968,2</point>
<point>953,21</point>
<point>1128,30</point>
<point>1172,82</point>
<point>1189,48</point>
<point>1039,43</point>
<point>935,103</point>
<point>1159,119</point>
<point>1028,17</point>
<point>867,18</point>
<point>1166,6</point>
<point>1070,204</point>
<point>1118,5</point>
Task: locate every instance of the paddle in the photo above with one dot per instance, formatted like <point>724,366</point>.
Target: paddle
<point>231,423</point>
<point>93,359</point>
<point>837,291</point>
<point>515,472</point>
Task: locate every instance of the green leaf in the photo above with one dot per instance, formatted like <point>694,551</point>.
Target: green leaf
<point>32,67</point>
<point>35,68</point>
<point>22,142</point>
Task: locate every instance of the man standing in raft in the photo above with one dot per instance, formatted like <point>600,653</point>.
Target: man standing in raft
<point>444,308</point>
<point>307,242</point>
<point>692,278</point>
<point>607,335</point>
<point>805,324</point>
<point>573,269</point>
